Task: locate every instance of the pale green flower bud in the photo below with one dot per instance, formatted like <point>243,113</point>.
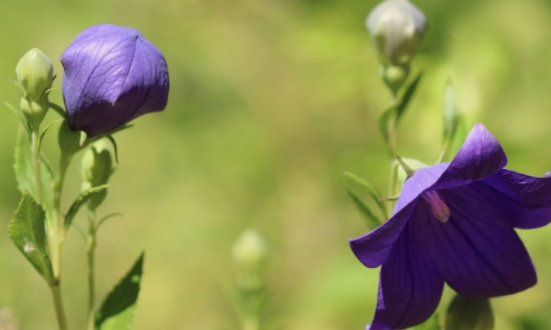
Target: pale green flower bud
<point>250,254</point>
<point>469,314</point>
<point>97,167</point>
<point>35,75</point>
<point>397,28</point>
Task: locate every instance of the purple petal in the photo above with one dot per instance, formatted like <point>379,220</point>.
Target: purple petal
<point>524,201</point>
<point>410,287</point>
<point>373,248</point>
<point>477,252</point>
<point>480,155</point>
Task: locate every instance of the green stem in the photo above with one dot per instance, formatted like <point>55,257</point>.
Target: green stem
<point>251,321</point>
<point>58,303</point>
<point>35,141</point>
<point>56,232</point>
<point>392,131</point>
<point>56,237</point>
<point>91,278</point>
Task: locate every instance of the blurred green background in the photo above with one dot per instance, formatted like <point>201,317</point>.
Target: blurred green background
<point>271,101</point>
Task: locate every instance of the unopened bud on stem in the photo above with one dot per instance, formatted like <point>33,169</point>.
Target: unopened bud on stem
<point>97,167</point>
<point>249,254</point>
<point>35,75</point>
<point>397,28</point>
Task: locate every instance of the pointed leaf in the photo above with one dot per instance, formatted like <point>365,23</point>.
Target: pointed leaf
<point>43,134</point>
<point>107,217</point>
<point>117,311</point>
<point>27,231</point>
<point>24,172</point>
<point>408,94</point>
<point>451,113</point>
<point>81,199</point>
<point>114,143</point>
<point>354,181</point>
<point>21,116</point>
<point>59,110</point>
<point>459,137</point>
<point>371,219</point>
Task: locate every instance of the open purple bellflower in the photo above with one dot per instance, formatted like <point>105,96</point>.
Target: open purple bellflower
<point>454,223</point>
<point>112,75</point>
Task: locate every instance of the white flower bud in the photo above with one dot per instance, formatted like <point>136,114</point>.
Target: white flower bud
<point>397,28</point>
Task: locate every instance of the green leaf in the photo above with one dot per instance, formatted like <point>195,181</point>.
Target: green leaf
<point>386,120</point>
<point>81,199</point>
<point>371,219</point>
<point>451,113</point>
<point>60,111</point>
<point>107,217</point>
<point>27,231</point>
<point>118,309</point>
<point>459,137</point>
<point>43,134</point>
<point>355,181</point>
<point>433,323</point>
<point>21,116</point>
<point>114,143</point>
<point>359,187</point>
<point>408,94</point>
<point>24,172</point>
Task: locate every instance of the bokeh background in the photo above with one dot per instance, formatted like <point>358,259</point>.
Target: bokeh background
<point>271,101</point>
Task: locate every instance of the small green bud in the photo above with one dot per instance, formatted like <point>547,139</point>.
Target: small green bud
<point>97,167</point>
<point>250,254</point>
<point>397,28</point>
<point>394,76</point>
<point>469,314</point>
<point>35,75</point>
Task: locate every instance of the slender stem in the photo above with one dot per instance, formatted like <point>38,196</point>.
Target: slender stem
<point>91,278</point>
<point>61,320</point>
<point>251,321</point>
<point>35,141</point>
<point>392,131</point>
<point>56,232</point>
<point>56,237</point>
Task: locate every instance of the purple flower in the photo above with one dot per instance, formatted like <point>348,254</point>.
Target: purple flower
<point>112,75</point>
<point>455,223</point>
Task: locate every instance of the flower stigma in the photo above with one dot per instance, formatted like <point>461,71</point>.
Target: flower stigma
<point>439,209</point>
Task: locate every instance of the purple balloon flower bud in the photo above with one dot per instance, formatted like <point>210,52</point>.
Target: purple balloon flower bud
<point>112,75</point>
